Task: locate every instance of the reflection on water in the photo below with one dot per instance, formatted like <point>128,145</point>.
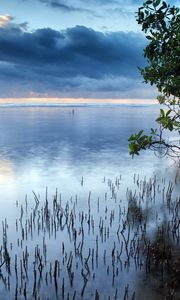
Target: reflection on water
<point>82,151</point>
<point>6,171</point>
<point>50,146</point>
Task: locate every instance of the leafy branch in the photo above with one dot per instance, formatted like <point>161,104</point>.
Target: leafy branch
<point>161,24</point>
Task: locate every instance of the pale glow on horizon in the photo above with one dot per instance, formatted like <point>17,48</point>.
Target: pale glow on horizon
<point>48,100</point>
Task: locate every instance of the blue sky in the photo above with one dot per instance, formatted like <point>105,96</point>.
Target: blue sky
<point>71,48</point>
<point>59,14</point>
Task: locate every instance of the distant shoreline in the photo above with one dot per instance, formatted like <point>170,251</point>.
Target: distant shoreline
<point>46,101</point>
<point>73,105</point>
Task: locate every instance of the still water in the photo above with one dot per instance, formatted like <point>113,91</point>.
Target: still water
<point>56,146</point>
<point>80,153</point>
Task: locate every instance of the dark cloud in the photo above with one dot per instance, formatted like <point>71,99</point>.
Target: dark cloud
<point>98,8</point>
<point>90,6</point>
<point>59,4</point>
<point>75,61</point>
<point>65,6</point>
<point>78,4</point>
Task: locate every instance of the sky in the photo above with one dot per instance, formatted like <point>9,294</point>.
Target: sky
<point>72,49</point>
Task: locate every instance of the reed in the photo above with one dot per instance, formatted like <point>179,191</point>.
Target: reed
<point>75,253</point>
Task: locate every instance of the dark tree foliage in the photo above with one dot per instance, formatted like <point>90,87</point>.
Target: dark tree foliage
<point>161,24</point>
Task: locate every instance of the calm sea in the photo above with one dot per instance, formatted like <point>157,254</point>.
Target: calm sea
<point>79,151</point>
<point>56,146</point>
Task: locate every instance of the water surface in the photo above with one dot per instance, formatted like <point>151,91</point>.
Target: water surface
<point>52,146</point>
<point>83,153</point>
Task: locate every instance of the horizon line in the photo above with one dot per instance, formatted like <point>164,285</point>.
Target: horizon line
<point>60,100</point>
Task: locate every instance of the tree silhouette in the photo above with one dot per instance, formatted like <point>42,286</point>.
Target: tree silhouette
<point>161,24</point>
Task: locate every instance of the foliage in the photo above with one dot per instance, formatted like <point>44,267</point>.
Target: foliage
<point>161,24</point>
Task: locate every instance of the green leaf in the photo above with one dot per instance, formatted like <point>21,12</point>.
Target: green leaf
<point>168,112</point>
<point>162,113</point>
<point>131,146</point>
<point>163,23</point>
<point>156,3</point>
<point>164,4</point>
<point>131,138</point>
<point>153,131</point>
<point>149,2</point>
<point>139,134</point>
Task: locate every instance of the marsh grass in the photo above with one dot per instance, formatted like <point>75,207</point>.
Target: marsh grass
<point>107,250</point>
